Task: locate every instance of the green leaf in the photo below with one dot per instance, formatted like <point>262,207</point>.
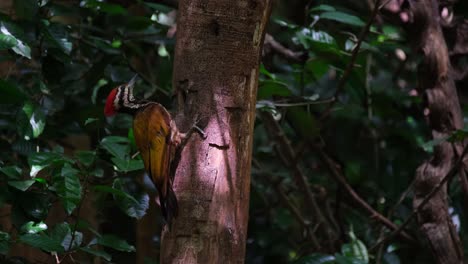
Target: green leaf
<point>36,119</point>
<point>97,172</point>
<point>323,8</point>
<point>58,36</point>
<point>355,249</point>
<point>4,236</point>
<point>265,72</point>
<point>270,88</point>
<point>4,247</point>
<point>90,120</point>
<point>158,7</point>
<point>304,123</point>
<point>132,209</point>
<point>97,253</point>
<point>429,145</point>
<point>162,51</point>
<point>12,172</point>
<point>285,24</point>
<point>103,45</point>
<point>33,228</point>
<point>269,106</point>
<point>391,33</point>
<point>35,169</point>
<point>7,41</point>
<point>116,243</point>
<point>69,188</point>
<point>135,210</point>
<point>41,160</point>
<point>343,18</point>
<point>115,192</point>
<point>41,180</point>
<point>99,84</point>
<point>4,243</point>
<point>76,239</point>
<point>318,41</point>
<point>116,43</point>
<point>42,242</point>
<point>59,231</point>
<point>87,158</point>
<point>21,185</point>
<point>117,146</point>
<point>458,136</point>
<point>20,47</point>
<point>126,165</point>
<point>64,234</point>
<point>316,259</point>
<point>43,2</point>
<point>318,68</point>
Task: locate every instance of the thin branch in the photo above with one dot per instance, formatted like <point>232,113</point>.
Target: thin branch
<point>332,166</point>
<point>390,215</point>
<point>78,210</point>
<point>286,151</point>
<point>459,74</point>
<point>384,4</point>
<point>289,204</point>
<point>296,56</point>
<point>324,101</point>
<point>349,68</point>
<point>296,213</point>
<point>426,199</point>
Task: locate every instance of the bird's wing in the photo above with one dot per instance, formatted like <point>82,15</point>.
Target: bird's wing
<point>151,128</point>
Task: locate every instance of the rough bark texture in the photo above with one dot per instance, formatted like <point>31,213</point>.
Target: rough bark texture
<point>444,116</point>
<point>215,77</point>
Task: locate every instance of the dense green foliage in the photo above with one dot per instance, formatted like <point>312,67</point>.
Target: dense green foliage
<point>60,61</point>
<point>56,143</point>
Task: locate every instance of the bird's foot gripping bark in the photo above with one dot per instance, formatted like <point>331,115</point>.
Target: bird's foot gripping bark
<point>199,130</point>
<point>178,138</point>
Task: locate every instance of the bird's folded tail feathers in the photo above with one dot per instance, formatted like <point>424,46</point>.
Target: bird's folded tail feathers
<point>169,205</point>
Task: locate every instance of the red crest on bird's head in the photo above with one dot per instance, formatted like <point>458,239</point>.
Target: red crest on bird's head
<point>109,109</point>
<point>125,100</point>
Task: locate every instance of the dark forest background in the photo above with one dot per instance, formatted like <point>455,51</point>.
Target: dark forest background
<point>339,133</point>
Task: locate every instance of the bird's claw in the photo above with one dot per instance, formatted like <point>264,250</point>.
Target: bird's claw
<point>200,131</point>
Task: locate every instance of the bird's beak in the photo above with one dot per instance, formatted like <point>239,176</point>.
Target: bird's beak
<point>131,83</point>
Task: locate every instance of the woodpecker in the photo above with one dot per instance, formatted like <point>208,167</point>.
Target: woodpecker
<point>157,138</point>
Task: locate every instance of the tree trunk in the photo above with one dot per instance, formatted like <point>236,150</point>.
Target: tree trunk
<point>444,116</point>
<point>215,77</point>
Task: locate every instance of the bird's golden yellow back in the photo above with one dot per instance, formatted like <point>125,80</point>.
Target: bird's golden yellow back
<point>151,127</point>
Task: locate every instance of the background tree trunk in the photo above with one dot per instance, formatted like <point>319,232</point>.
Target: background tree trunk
<point>215,77</point>
<point>444,116</point>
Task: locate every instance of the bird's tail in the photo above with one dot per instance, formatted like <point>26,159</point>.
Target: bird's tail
<point>169,205</point>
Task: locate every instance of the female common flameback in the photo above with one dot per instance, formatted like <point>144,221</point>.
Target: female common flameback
<point>156,136</point>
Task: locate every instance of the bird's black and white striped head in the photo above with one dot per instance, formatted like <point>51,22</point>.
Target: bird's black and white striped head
<point>121,99</point>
